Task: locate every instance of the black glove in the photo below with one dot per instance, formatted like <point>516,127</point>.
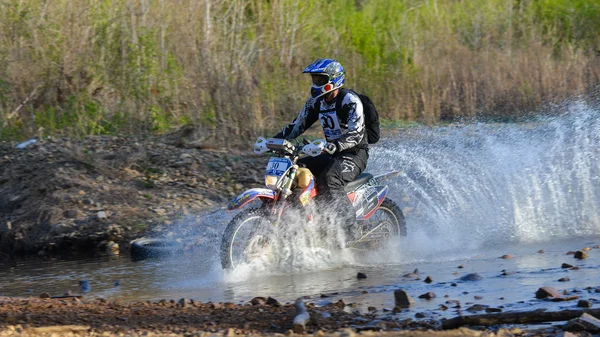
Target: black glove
<point>330,148</point>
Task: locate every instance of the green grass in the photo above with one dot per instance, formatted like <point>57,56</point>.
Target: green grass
<point>99,70</point>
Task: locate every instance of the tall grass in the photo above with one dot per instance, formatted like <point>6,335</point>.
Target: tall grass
<point>233,67</point>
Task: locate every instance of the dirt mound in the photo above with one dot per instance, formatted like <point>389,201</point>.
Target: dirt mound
<point>61,195</point>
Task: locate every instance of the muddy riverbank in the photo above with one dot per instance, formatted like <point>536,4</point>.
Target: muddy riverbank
<point>60,196</point>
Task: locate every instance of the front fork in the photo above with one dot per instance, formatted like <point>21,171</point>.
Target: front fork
<point>286,191</point>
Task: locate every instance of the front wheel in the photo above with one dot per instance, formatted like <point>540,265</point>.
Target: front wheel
<point>249,238</point>
<point>386,223</point>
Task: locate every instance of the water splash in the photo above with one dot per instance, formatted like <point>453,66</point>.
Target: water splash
<point>464,188</point>
<point>471,186</point>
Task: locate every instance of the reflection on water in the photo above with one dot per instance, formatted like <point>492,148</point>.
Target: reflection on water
<point>182,277</point>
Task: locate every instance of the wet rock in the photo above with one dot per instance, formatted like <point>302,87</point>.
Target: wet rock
<point>564,299</point>
<point>461,266</point>
<point>564,279</point>
<point>71,213</point>
<point>61,229</point>
<point>216,305</point>
<point>428,279</point>
<point>45,295</point>
<point>507,273</point>
<point>574,268</point>
<point>586,322</point>
<point>580,255</point>
<point>545,292</point>
<point>493,310</point>
<point>420,315</point>
<point>477,307</point>
<point>584,304</point>
<point>402,299</point>
<point>414,274</point>
<point>471,277</point>
<point>340,304</point>
<point>477,297</point>
<point>570,252</point>
<point>428,295</point>
<point>273,302</point>
<point>566,265</point>
<point>453,284</point>
<point>507,256</point>
<point>183,303</point>
<point>361,276</point>
<point>112,248</point>
<point>258,301</point>
<point>541,251</point>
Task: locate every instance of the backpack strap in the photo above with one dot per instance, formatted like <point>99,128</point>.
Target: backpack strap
<point>338,102</point>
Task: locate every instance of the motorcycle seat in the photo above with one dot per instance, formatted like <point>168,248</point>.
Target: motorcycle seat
<point>360,180</point>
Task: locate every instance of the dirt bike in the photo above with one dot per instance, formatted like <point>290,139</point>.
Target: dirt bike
<point>252,234</point>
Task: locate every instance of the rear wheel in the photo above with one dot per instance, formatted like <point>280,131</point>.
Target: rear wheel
<point>249,238</point>
<point>387,222</point>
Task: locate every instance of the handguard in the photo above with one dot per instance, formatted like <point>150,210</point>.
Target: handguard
<point>260,146</point>
<point>315,148</point>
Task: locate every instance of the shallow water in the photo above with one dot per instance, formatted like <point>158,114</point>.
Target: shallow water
<point>471,193</point>
<point>181,277</point>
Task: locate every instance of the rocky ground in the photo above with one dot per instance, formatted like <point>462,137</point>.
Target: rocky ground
<point>59,196</point>
<point>74,316</point>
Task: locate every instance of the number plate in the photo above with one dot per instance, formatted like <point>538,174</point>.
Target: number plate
<point>278,166</point>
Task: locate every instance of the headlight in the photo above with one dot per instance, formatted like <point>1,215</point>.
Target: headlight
<point>271,181</point>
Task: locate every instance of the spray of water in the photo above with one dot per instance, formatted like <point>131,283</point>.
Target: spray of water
<point>464,188</point>
<point>471,186</point>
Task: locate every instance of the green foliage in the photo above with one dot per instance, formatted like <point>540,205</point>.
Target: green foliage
<point>107,67</point>
<point>574,22</point>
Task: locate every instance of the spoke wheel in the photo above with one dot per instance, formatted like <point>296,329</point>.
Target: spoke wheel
<point>387,222</point>
<point>249,238</point>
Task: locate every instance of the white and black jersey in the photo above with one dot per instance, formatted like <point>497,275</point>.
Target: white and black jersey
<point>345,128</point>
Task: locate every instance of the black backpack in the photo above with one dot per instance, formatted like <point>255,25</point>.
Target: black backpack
<point>371,115</point>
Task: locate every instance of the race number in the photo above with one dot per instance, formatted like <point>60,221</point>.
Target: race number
<point>278,166</point>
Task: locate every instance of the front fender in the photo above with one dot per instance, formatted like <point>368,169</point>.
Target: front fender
<point>249,195</point>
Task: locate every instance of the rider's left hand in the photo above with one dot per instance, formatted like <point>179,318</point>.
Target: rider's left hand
<point>330,148</point>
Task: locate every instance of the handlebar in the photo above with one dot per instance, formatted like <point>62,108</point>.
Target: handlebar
<point>286,147</point>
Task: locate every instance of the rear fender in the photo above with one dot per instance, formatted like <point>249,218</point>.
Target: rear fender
<point>385,176</point>
<point>372,202</point>
<point>249,195</point>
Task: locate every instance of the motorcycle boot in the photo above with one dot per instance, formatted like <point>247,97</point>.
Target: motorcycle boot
<point>345,217</point>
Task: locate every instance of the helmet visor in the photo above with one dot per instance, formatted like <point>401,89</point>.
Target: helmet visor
<point>319,79</point>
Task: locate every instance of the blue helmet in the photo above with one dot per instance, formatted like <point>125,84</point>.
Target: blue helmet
<point>327,75</point>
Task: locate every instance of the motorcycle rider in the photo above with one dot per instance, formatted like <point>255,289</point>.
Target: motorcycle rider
<point>346,152</point>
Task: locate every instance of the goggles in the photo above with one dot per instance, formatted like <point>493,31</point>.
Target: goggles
<point>319,79</point>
